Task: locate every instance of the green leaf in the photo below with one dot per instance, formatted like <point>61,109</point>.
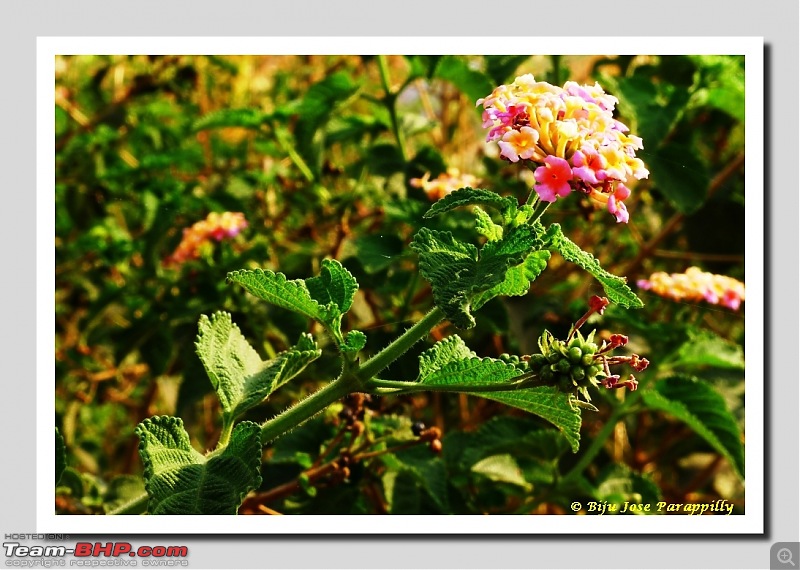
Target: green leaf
<point>615,288</point>
<point>520,436</point>
<point>485,226</point>
<point>704,348</point>
<point>318,105</point>
<point>473,83</point>
<point>276,289</point>
<point>654,107</point>
<point>472,371</point>
<point>122,490</point>
<point>472,197</point>
<point>61,456</point>
<point>422,65</point>
<point>703,409</point>
<point>617,484</point>
<point>444,352</point>
<point>403,492</point>
<point>429,470</point>
<point>501,469</point>
<point>249,118</point>
<point>296,359</point>
<point>547,403</point>
<point>722,83</point>
<point>239,376</point>
<point>375,252</point>
<point>456,271</point>
<point>450,362</point>
<point>324,298</point>
<point>234,367</point>
<point>680,176</point>
<point>501,68</point>
<point>302,445</point>
<point>354,341</point>
<point>181,481</point>
<point>71,482</point>
<point>518,279</point>
<point>335,284</point>
<point>447,264</point>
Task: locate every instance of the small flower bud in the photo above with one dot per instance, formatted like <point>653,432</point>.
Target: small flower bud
<point>598,304</point>
<point>638,363</point>
<point>537,361</point>
<point>618,340</point>
<point>575,354</point>
<point>577,373</point>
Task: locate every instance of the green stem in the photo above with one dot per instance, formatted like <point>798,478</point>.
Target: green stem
<point>538,210</point>
<point>131,506</point>
<point>225,434</point>
<point>533,198</point>
<point>389,101</point>
<point>348,382</point>
<point>399,345</point>
<point>398,387</point>
<point>309,407</point>
<point>294,156</point>
<point>600,439</point>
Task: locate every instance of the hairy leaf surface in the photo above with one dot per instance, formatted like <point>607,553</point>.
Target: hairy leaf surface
<point>239,376</point>
<point>457,271</point>
<point>450,362</point>
<point>182,481</point>
<point>472,197</point>
<point>616,289</point>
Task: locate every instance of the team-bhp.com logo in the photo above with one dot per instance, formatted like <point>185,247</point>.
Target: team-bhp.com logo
<point>85,552</point>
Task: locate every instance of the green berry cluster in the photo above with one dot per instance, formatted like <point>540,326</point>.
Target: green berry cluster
<point>519,363</point>
<point>570,366</point>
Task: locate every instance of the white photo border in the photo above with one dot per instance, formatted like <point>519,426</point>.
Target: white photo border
<point>752,522</point>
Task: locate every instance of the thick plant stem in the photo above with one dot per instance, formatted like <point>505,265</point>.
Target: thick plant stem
<point>308,407</point>
<point>401,344</point>
<point>391,96</point>
<point>349,382</point>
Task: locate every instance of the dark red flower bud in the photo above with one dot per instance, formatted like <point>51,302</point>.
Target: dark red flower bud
<point>598,304</point>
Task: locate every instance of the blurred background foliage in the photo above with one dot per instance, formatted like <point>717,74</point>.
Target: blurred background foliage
<point>318,153</point>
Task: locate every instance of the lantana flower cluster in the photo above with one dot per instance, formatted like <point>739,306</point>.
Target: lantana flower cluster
<point>568,137</point>
<point>445,183</point>
<point>578,363</point>
<point>696,285</point>
<point>216,226</point>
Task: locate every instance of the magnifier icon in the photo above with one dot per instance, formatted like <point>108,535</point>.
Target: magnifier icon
<point>785,556</point>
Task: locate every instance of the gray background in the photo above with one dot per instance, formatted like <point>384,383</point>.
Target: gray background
<point>777,22</point>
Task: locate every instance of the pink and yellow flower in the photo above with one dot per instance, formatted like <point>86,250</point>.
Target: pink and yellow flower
<point>216,227</point>
<point>553,179</point>
<point>696,285</point>
<point>568,136</point>
<point>445,183</point>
